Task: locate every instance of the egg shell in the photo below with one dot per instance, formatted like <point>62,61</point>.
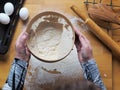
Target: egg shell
<point>24,13</point>
<point>4,18</point>
<point>9,8</point>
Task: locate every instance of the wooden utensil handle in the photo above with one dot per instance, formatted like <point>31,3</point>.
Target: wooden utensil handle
<point>79,13</point>
<point>104,37</point>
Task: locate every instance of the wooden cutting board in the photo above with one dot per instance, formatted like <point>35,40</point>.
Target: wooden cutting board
<point>101,53</point>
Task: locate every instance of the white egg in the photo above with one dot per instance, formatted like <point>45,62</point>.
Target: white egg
<point>4,18</point>
<point>24,13</point>
<point>9,8</point>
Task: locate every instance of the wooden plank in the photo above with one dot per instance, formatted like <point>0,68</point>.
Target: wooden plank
<point>116,62</point>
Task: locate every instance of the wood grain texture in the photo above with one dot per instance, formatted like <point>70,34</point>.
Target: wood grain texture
<point>101,53</point>
<point>116,63</point>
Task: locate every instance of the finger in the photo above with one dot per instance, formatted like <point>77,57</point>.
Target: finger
<point>22,38</point>
<point>85,39</point>
<point>82,38</point>
<point>79,37</point>
<point>82,41</point>
<point>87,43</point>
<point>77,31</point>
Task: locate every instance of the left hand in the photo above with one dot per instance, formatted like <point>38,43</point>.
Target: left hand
<point>22,52</point>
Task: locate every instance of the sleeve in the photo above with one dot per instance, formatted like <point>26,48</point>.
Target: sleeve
<point>91,72</point>
<point>16,77</point>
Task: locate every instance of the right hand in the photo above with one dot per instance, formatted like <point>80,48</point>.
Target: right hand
<point>83,46</point>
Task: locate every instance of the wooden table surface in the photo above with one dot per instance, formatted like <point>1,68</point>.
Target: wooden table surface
<point>109,68</point>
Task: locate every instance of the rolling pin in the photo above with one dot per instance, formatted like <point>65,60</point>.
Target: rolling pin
<point>97,31</point>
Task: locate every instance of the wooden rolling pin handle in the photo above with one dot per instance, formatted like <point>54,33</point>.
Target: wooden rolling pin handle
<point>80,14</point>
<point>104,37</point>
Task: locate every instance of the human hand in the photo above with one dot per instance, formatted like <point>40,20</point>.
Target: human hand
<point>22,52</point>
<point>83,46</point>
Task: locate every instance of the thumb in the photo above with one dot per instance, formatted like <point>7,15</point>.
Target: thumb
<point>23,37</point>
<point>77,31</point>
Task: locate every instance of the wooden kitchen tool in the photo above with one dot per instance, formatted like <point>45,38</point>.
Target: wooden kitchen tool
<point>104,37</point>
